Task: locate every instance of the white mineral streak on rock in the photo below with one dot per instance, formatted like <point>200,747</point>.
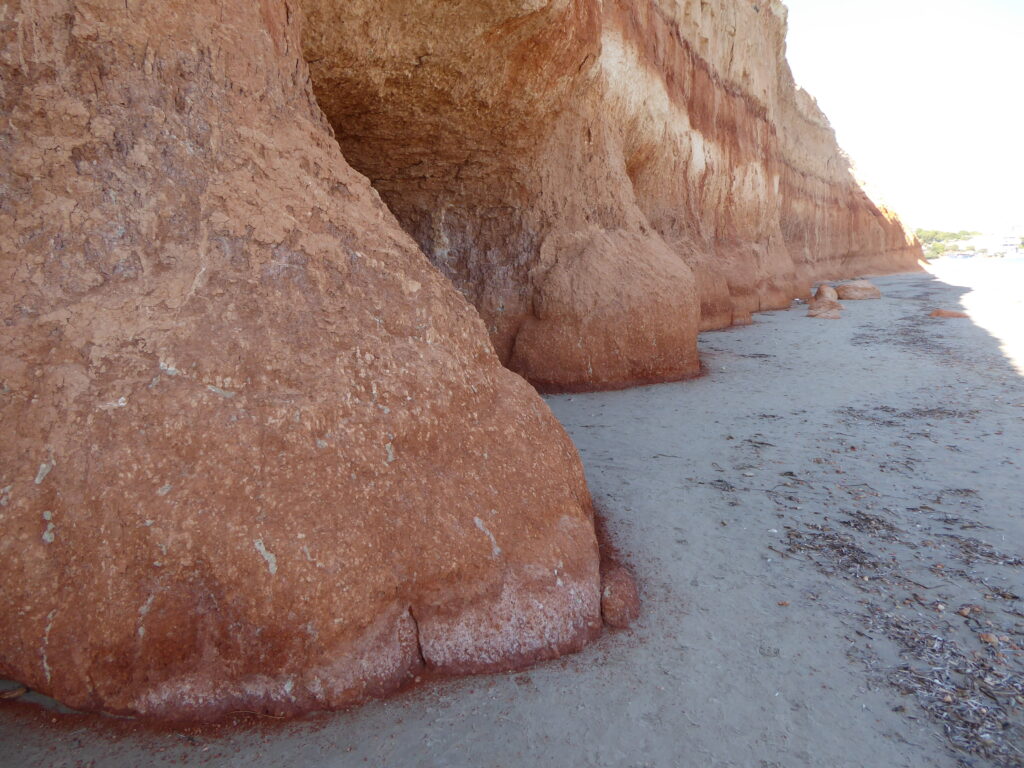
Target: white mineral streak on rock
<point>50,533</point>
<point>44,470</point>
<point>266,555</point>
<point>495,549</point>
<point>46,643</point>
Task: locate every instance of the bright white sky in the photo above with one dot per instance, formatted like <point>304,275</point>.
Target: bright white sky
<point>927,97</point>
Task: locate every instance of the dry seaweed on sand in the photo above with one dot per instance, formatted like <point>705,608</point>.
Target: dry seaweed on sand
<point>837,552</point>
<point>978,696</point>
<point>873,525</point>
<point>970,550</point>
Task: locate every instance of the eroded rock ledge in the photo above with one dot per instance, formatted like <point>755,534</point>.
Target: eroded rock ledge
<point>257,452</point>
<point>601,180</point>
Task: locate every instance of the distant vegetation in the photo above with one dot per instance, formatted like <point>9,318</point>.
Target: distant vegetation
<point>937,243</point>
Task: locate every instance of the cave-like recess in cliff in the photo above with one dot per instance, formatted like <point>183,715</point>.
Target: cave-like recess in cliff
<point>601,180</point>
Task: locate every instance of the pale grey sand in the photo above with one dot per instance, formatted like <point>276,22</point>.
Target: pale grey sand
<point>804,521</point>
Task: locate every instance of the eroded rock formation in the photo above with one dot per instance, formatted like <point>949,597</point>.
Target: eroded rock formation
<point>602,180</point>
<point>858,290</point>
<point>825,309</point>
<point>826,291</point>
<point>825,304</point>
<point>257,453</point>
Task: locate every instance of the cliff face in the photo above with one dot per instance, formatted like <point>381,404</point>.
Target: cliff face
<point>602,180</point>
<point>257,452</point>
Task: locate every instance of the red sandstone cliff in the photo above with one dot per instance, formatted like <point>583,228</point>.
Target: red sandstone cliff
<point>257,453</point>
<point>600,179</point>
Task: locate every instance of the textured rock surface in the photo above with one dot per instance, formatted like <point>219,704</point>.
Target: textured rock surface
<point>620,599</point>
<point>825,308</point>
<point>858,290</point>
<point>948,313</point>
<point>826,291</point>
<point>257,453</point>
<point>573,164</point>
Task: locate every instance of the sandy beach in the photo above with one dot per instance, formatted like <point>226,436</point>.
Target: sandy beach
<point>828,533</point>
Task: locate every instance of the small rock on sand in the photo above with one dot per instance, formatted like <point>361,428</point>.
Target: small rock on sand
<point>858,289</point>
<point>620,600</point>
<point>825,309</point>
<point>947,313</point>
<point>826,291</point>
